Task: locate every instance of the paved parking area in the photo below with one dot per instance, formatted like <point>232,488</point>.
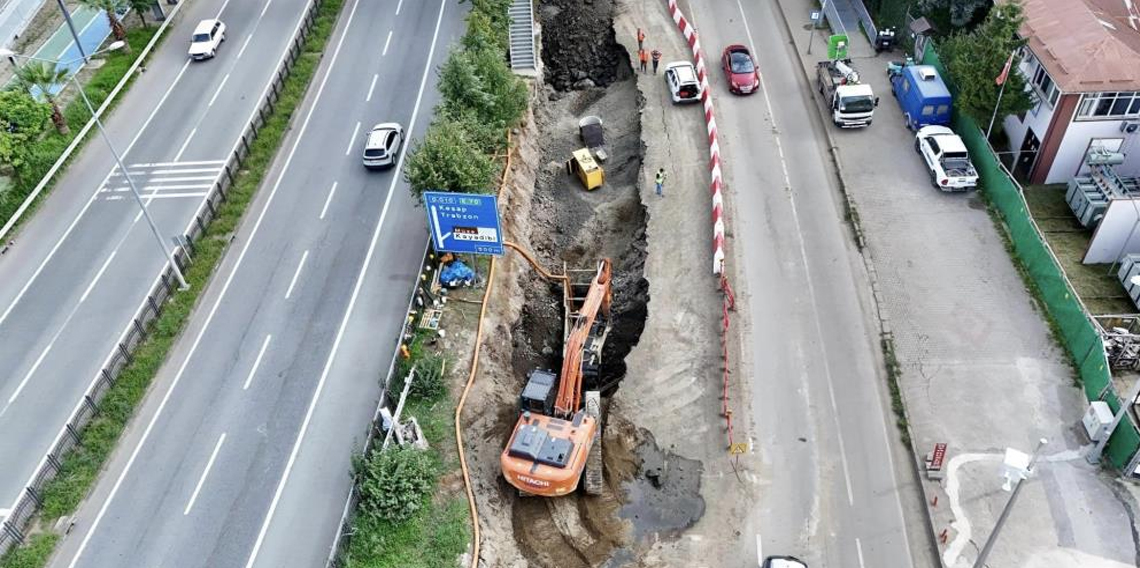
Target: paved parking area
<point>980,370</point>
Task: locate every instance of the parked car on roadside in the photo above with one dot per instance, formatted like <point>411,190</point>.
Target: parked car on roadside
<point>783,562</point>
<point>681,78</point>
<point>946,158</point>
<point>740,70</point>
<point>382,145</point>
<point>208,36</point>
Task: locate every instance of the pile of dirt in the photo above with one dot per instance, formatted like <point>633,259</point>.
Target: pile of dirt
<point>578,46</point>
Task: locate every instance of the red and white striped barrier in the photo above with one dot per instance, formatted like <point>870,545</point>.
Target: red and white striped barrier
<point>717,184</point>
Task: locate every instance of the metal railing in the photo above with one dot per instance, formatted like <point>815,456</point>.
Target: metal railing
<point>31,497</point>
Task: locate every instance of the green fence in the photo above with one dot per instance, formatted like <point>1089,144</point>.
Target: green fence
<point>1074,323</point>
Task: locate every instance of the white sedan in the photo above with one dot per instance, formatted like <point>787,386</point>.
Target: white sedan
<point>208,36</point>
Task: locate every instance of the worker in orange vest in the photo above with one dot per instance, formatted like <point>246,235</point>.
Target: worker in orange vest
<point>643,56</point>
<point>640,39</point>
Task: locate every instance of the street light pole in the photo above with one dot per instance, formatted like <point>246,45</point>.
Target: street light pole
<point>981,561</point>
<point>71,26</point>
<point>134,190</point>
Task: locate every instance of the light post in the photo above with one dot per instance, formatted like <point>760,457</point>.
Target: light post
<point>1018,465</point>
<point>118,159</point>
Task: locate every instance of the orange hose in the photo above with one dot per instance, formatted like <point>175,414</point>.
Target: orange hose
<point>471,380</point>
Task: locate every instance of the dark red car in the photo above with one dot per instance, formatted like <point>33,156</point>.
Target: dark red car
<point>740,70</point>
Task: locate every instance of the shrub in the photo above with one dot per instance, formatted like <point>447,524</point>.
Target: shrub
<point>393,482</point>
<point>448,160</point>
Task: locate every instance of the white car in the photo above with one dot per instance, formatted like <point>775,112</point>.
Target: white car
<point>681,78</point>
<point>382,145</point>
<point>783,562</point>
<point>946,158</point>
<point>208,36</point>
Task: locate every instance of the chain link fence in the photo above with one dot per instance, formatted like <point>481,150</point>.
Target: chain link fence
<point>70,436</point>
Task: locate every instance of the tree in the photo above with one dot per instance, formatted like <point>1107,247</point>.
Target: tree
<point>947,15</point>
<point>140,7</point>
<point>22,118</point>
<point>976,59</point>
<point>38,78</point>
<point>393,482</point>
<point>113,8</point>
<point>447,160</point>
<point>482,82</point>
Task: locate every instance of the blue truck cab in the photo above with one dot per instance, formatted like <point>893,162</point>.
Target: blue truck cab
<point>923,96</point>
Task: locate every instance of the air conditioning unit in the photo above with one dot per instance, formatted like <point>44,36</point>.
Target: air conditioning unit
<point>1097,419</point>
<point>1129,126</point>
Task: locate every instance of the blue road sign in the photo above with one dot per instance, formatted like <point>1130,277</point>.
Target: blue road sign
<point>464,222</point>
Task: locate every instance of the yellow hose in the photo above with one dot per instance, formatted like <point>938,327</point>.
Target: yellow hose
<point>471,380</point>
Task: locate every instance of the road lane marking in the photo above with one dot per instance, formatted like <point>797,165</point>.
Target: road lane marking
<point>205,472</point>
<point>215,97</point>
<point>297,274</point>
<point>86,206</point>
<point>328,200</point>
<point>256,362</point>
<point>356,287</point>
<point>168,164</point>
<point>352,141</point>
<point>371,87</point>
<point>178,156</point>
<point>126,188</point>
<point>829,377</point>
<point>386,42</point>
<point>759,551</point>
<point>264,9</point>
<point>245,43</point>
<point>859,549</point>
<point>152,197</point>
<point>223,9</point>
<point>98,275</point>
<point>209,317</point>
<point>161,180</point>
<point>32,371</point>
<point>399,5</point>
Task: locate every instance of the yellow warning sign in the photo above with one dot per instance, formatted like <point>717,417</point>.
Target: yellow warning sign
<point>737,449</point>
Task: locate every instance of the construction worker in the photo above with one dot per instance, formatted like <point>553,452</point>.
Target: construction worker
<point>660,179</point>
<point>640,39</point>
<point>644,58</point>
<point>656,60</point>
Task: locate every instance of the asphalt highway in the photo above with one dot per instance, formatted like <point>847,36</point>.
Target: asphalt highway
<point>241,455</point>
<point>830,493</point>
<point>83,264</point>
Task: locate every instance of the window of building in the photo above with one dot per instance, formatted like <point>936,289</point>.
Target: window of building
<point>1095,106</point>
<point>1046,86</point>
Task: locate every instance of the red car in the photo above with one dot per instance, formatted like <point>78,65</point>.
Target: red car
<point>740,69</point>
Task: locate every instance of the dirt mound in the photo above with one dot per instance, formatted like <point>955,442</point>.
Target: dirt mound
<point>578,46</point>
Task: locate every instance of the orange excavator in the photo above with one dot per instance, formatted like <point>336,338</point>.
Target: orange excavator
<point>558,434</point>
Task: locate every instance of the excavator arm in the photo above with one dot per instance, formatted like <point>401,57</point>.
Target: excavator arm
<point>598,300</point>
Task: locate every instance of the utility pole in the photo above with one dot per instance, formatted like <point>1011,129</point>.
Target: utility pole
<point>811,28</point>
<point>981,561</point>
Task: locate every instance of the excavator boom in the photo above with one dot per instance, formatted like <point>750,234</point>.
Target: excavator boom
<point>597,301</point>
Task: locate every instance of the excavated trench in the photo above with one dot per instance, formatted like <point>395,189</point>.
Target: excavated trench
<point>574,228</point>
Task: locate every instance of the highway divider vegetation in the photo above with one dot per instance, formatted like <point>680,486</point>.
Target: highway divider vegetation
<point>30,145</point>
<point>81,467</point>
<point>482,99</point>
<point>399,521</point>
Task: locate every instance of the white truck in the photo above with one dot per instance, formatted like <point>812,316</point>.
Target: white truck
<point>946,158</point>
<point>850,102</point>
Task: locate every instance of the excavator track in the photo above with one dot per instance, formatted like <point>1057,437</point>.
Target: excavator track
<point>592,480</point>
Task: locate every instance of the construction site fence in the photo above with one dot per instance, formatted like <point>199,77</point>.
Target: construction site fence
<point>13,531</point>
<point>1074,322</point>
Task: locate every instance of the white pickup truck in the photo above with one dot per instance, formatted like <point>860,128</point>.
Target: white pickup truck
<point>946,158</point>
<point>850,103</point>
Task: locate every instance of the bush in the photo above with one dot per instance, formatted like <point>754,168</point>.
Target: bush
<point>481,82</point>
<point>447,159</point>
<point>429,383</point>
<point>394,482</point>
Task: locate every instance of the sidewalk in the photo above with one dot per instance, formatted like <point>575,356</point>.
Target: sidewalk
<point>979,369</point>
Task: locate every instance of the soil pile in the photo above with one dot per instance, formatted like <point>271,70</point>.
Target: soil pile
<point>578,46</point>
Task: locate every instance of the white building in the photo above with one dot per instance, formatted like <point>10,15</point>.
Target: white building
<point>1083,65</point>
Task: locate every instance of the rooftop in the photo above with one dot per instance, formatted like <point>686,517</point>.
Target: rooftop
<point>1086,45</point>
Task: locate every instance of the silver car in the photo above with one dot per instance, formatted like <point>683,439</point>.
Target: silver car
<point>382,145</point>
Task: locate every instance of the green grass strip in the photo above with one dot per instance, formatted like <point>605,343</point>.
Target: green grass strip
<point>43,155</point>
<point>98,439</point>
